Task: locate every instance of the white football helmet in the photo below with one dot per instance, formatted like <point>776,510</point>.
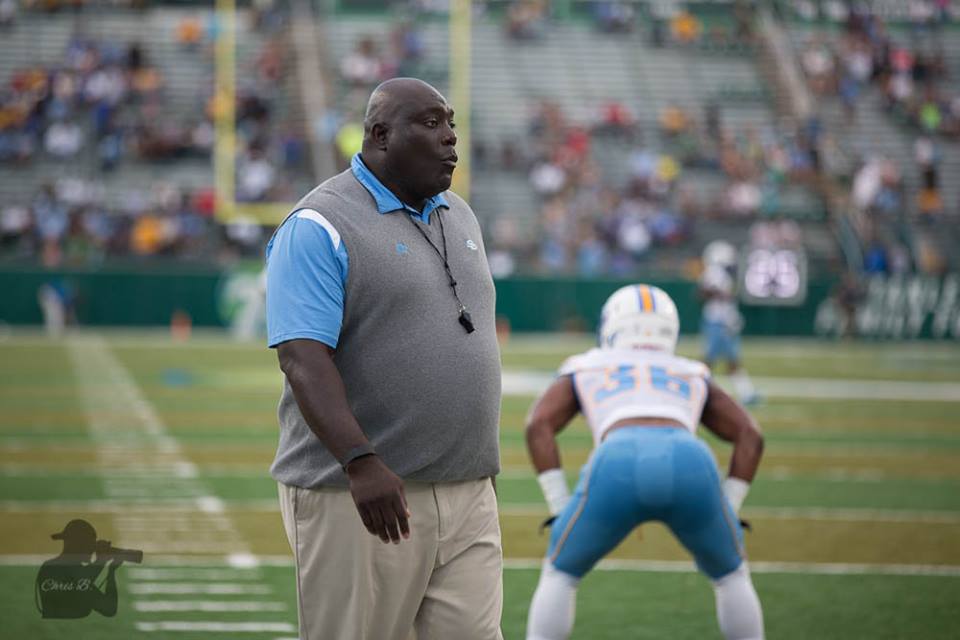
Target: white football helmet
<point>639,315</point>
<point>720,253</point>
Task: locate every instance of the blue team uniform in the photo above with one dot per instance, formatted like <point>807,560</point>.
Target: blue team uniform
<point>643,473</point>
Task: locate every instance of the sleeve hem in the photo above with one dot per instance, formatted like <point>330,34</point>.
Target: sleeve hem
<point>325,338</point>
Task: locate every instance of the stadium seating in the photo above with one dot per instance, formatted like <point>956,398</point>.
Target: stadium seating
<point>874,131</point>
<point>183,72</point>
<point>579,70</point>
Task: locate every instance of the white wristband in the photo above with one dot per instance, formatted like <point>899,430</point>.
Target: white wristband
<point>554,487</point>
<point>736,491</point>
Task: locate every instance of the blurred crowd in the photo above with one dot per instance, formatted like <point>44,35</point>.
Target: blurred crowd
<point>596,218</point>
<point>72,222</point>
<point>598,212</point>
<point>530,20</point>
<point>105,106</point>
<point>102,101</point>
<point>399,51</point>
<point>910,74</point>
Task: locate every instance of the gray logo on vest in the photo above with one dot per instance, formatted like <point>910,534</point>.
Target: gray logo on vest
<point>471,245</point>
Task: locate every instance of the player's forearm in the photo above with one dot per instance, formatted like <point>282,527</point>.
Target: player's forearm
<point>747,451</point>
<point>542,447</point>
<point>545,456</point>
<point>322,398</point>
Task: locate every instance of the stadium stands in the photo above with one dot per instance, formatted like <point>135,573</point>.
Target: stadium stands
<point>876,76</point>
<point>678,98</point>
<point>584,74</point>
<point>152,152</point>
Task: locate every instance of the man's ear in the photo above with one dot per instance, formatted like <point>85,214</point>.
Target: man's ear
<point>380,132</point>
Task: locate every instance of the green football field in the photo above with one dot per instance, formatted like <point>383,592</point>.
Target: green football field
<point>164,446</point>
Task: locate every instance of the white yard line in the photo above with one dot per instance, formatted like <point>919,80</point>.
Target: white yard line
<point>780,474</point>
<point>145,477</point>
<point>118,413</point>
<point>808,568</point>
<point>668,566</point>
<point>512,509</point>
<point>168,560</point>
<point>198,573</point>
<point>518,382</point>
<point>202,588</point>
<point>828,514</point>
<point>135,509</point>
<point>769,471</point>
<point>207,606</point>
<point>216,627</point>
<point>795,513</point>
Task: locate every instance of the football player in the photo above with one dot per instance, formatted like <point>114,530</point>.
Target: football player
<point>643,405</point>
<point>721,322</point>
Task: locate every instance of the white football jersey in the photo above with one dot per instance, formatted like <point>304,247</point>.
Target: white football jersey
<point>613,384</point>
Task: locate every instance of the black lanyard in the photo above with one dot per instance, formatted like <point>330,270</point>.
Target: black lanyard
<point>464,319</point>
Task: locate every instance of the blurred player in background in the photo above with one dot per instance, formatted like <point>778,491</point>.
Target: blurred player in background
<point>643,404</point>
<point>721,322</point>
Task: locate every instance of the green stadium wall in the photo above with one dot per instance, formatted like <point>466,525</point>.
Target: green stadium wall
<point>893,308</point>
<point>148,296</point>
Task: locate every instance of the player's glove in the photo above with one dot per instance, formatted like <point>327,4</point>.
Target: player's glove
<point>547,523</point>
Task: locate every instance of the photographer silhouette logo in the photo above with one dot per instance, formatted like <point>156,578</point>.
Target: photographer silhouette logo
<point>70,585</point>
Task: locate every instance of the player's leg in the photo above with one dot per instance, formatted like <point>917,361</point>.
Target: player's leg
<point>349,583</point>
<point>464,597</point>
<point>704,522</point>
<point>553,607</point>
<point>742,384</point>
<point>601,513</point>
<point>711,338</point>
<point>738,607</point>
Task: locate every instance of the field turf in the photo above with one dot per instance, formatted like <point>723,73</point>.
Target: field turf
<point>165,446</point>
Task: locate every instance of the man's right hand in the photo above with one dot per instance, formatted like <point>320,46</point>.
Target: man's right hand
<point>378,493</point>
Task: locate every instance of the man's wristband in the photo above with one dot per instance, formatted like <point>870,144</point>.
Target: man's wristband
<point>359,451</point>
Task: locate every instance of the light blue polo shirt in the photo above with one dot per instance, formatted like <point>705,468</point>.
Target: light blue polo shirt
<point>307,265</point>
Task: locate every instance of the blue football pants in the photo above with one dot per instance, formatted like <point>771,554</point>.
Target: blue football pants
<point>645,473</point>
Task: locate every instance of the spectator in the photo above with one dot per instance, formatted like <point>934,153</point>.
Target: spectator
<point>189,33</point>
<point>63,140</point>
<point>875,259</point>
<point>349,139</point>
<point>685,28</point>
<point>526,19</point>
<point>616,119</point>
<point>362,66</point>
<point>929,203</point>
<point>818,64</point>
<point>674,121</point>
<point>614,17</point>
<point>257,176</point>
<point>8,13</point>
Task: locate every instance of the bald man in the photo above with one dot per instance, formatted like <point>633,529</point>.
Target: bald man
<point>380,304</point>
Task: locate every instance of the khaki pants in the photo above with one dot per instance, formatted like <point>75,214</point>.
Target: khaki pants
<point>444,582</point>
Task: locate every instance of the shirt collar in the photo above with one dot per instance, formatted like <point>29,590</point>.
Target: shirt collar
<point>386,201</point>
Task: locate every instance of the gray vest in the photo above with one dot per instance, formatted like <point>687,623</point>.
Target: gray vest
<point>425,392</point>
